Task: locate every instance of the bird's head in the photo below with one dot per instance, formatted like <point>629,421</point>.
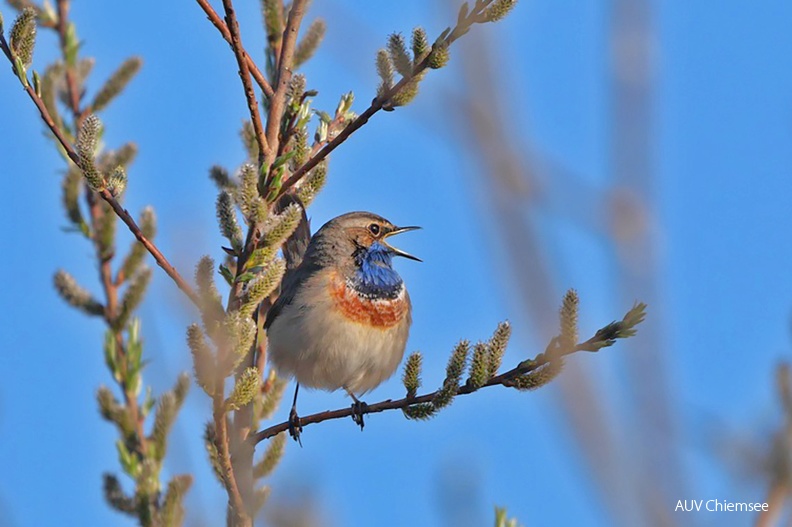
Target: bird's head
<point>361,238</point>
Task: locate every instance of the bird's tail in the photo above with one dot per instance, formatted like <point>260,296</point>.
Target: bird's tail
<point>295,245</point>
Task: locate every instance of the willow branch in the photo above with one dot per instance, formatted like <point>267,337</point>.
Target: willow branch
<point>224,454</point>
<point>376,105</point>
<point>289,41</point>
<point>217,22</point>
<point>111,311</point>
<point>120,211</point>
<point>244,74</point>
<point>499,380</point>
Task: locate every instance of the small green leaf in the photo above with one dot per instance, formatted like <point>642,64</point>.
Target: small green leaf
<point>21,71</point>
<point>245,277</point>
<point>36,83</point>
<point>275,185</point>
<point>225,273</point>
<point>129,462</point>
<point>282,160</point>
<point>111,355</point>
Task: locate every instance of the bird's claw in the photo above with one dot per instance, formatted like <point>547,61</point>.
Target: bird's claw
<point>295,428</point>
<point>358,410</point>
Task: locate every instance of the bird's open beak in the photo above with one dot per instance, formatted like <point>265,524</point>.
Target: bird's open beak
<point>399,252</point>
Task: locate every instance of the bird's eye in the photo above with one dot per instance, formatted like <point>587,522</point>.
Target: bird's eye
<point>374,229</point>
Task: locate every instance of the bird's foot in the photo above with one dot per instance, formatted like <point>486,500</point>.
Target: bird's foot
<point>295,428</point>
<point>359,409</point>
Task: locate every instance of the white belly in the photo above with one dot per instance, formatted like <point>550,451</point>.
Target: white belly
<point>323,348</point>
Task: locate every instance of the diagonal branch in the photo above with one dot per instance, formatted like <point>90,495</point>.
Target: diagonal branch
<point>379,102</point>
<point>215,19</point>
<point>343,135</point>
<point>503,379</point>
<point>105,194</point>
<point>244,74</point>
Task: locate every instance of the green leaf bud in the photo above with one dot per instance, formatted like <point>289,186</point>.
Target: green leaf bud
<point>87,140</point>
<point>439,56</point>
<point>272,456</point>
<point>116,183</point>
<point>23,36</point>
<point>479,366</point>
<point>568,316</point>
<point>497,347</point>
<point>227,219</point>
<point>137,252</point>
<point>71,189</point>
<point>456,366</point>
<point>412,373</point>
<point>397,51</point>
<point>312,183</point>
<point>266,406</point>
<point>203,358</point>
<point>539,377</point>
<point>116,83</point>
<point>420,45</point>
<point>420,412</point>
<point>220,177</point>
<point>499,10</point>
<point>245,389</point>
<point>263,285</point>
<point>75,295</point>
<point>172,513</point>
<point>309,43</point>
<point>280,226</point>
<point>132,297</point>
<point>385,72</point>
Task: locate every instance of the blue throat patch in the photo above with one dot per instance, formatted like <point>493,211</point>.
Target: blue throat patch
<point>375,277</point>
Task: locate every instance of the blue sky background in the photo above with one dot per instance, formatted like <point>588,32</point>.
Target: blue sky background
<point>722,135</point>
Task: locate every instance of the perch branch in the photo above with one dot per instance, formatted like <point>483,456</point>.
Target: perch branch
<point>499,380</point>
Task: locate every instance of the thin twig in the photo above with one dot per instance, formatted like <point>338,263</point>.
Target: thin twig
<point>244,74</point>
<point>215,19</point>
<point>71,85</point>
<point>122,213</point>
<point>284,69</point>
<point>111,312</point>
<point>390,404</point>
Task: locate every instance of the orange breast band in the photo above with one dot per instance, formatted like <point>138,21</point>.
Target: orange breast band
<point>384,313</point>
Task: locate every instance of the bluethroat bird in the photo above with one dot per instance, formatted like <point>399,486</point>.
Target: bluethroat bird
<point>343,315</point>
